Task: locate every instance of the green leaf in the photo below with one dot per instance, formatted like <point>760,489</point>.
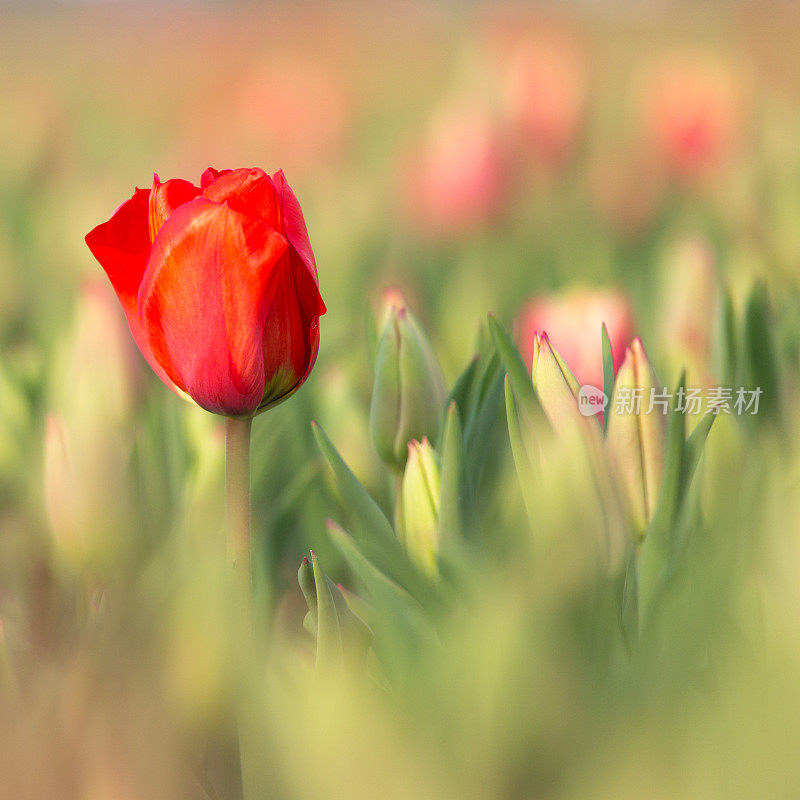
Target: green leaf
<point>656,549</point>
<point>728,341</point>
<point>483,414</point>
<point>630,601</point>
<point>398,606</point>
<point>305,577</point>
<point>694,449</point>
<point>329,638</point>
<point>462,387</point>
<point>517,371</point>
<point>522,456</point>
<point>761,363</point>
<point>457,514</point>
<point>608,374</point>
<point>356,633</point>
<point>372,530</point>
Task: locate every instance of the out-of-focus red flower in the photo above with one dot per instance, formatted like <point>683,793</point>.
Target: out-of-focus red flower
<point>219,286</point>
<point>692,115</point>
<point>572,323</point>
<point>313,116</point>
<point>545,91</point>
<point>457,177</point>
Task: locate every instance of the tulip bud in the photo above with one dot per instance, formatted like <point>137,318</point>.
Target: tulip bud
<point>573,321</point>
<point>408,393</point>
<point>689,302</point>
<point>88,488</point>
<point>554,383</point>
<point>419,505</point>
<point>636,434</point>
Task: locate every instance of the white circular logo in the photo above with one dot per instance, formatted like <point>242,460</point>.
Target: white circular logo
<point>591,400</point>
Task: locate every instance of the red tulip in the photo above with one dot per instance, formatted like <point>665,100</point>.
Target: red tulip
<point>219,286</point>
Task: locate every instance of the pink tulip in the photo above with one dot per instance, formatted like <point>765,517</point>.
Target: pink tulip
<point>545,92</point>
<point>692,116</point>
<point>572,322</point>
<point>457,177</point>
<point>299,111</point>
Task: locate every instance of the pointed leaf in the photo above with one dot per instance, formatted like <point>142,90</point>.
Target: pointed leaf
<point>608,374</point>
<point>457,515</point>
<point>521,453</point>
<point>656,549</point>
<point>761,362</point>
<point>695,445</point>
<point>329,638</point>
<point>399,606</point>
<point>517,371</point>
<point>372,530</point>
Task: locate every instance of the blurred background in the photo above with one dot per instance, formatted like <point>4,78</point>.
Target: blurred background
<point>478,157</point>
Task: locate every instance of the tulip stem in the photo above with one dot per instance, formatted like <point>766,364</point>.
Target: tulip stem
<point>237,509</point>
<point>237,527</point>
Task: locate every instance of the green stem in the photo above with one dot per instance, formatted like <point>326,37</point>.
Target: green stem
<point>237,527</point>
<point>237,511</point>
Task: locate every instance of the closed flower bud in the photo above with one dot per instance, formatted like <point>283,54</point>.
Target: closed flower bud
<point>419,505</point>
<point>579,434</point>
<point>554,383</point>
<point>636,435</point>
<point>87,496</point>
<point>408,393</point>
<point>690,306</point>
<point>573,321</point>
<point>94,388</point>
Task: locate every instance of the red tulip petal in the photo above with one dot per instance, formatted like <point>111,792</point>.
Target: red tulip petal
<point>291,339</point>
<point>122,246</point>
<point>203,301</point>
<point>210,175</point>
<point>296,232</point>
<point>165,198</point>
<point>249,191</point>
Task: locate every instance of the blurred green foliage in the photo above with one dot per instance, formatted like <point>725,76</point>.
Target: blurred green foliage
<point>520,670</point>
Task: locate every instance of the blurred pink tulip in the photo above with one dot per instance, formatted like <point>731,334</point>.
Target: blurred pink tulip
<point>300,110</point>
<point>457,177</point>
<point>692,115</point>
<point>690,304</point>
<point>545,92</point>
<point>572,323</point>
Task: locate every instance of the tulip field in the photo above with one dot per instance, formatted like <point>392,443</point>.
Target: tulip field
<point>398,401</point>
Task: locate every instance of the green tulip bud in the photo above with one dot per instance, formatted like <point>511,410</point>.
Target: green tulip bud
<point>636,434</point>
<point>555,385</point>
<point>418,517</point>
<point>559,392</point>
<point>88,483</point>
<point>408,393</point>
